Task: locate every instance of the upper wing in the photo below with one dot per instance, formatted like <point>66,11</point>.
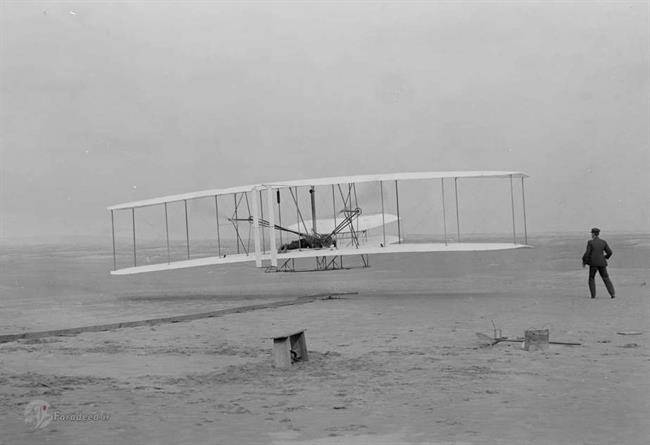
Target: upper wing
<point>406,176</point>
<point>356,179</point>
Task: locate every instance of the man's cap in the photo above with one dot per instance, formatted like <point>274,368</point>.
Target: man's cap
<point>595,230</point>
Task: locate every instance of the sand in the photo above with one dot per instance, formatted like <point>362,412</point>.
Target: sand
<point>397,363</point>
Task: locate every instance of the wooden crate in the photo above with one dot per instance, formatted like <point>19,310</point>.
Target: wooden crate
<point>289,348</point>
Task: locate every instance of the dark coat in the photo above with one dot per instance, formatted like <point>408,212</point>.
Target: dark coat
<point>597,253</point>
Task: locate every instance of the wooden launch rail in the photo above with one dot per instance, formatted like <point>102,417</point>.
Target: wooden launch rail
<point>174,319</point>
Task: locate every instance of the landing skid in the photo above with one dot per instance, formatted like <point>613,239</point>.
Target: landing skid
<point>323,263</point>
<point>286,266</point>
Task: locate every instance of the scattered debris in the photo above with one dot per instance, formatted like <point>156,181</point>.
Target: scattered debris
<point>486,340</point>
<point>629,345</point>
<point>630,333</point>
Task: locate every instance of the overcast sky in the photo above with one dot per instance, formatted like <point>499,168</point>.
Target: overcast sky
<point>104,103</point>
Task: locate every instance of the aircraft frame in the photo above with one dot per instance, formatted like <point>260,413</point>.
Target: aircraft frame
<point>253,200</point>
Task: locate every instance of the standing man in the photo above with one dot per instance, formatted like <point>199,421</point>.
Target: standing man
<point>596,256</point>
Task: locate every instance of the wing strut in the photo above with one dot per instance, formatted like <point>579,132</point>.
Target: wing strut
<point>216,214</point>
<point>457,211</point>
<point>133,221</point>
<point>343,198</point>
<point>187,230</point>
<point>512,204</point>
<point>272,248</point>
<point>236,219</point>
<point>334,205</point>
<point>277,192</point>
<point>236,224</point>
<point>356,205</point>
<point>523,201</point>
<point>256,228</point>
<point>312,195</point>
<point>399,231</point>
<point>347,204</point>
<point>444,212</point>
<point>298,212</point>
<point>248,238</point>
<point>113,231</point>
<point>383,220</point>
<point>169,257</point>
<point>298,216</point>
<point>262,215</point>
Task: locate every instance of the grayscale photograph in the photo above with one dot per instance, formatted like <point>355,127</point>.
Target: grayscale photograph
<point>324,222</point>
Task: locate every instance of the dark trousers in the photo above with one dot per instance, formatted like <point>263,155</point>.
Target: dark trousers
<point>602,270</point>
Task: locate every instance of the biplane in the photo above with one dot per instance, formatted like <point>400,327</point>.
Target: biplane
<point>324,219</point>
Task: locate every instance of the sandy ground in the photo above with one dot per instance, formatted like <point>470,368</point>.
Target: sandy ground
<point>397,363</point>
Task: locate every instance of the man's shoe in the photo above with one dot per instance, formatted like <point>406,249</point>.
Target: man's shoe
<point>593,298</point>
<point>613,296</point>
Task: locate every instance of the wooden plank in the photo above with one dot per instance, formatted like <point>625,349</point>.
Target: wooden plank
<point>287,335</point>
<point>299,345</point>
<point>281,353</point>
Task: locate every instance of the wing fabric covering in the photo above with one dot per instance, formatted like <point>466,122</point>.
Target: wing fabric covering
<point>314,218</point>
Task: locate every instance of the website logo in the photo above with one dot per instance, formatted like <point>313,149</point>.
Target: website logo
<point>37,414</point>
